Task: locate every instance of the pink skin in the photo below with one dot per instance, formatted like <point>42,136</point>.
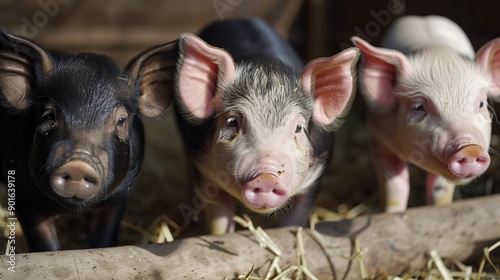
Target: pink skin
<point>261,167</point>
<point>266,171</point>
<point>266,188</point>
<point>470,161</point>
<point>263,162</point>
<point>455,144</point>
<point>76,178</point>
<point>441,124</point>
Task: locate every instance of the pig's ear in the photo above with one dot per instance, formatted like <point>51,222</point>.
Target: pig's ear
<point>203,72</point>
<point>22,64</point>
<point>332,81</point>
<point>152,73</point>
<point>378,72</point>
<point>488,57</point>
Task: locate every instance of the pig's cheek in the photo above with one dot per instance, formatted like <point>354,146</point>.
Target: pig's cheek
<point>223,156</point>
<point>117,162</point>
<point>301,141</point>
<point>486,114</point>
<point>414,119</point>
<point>299,134</point>
<point>414,115</point>
<point>37,163</point>
<point>228,135</point>
<point>42,160</point>
<point>122,132</point>
<point>301,165</point>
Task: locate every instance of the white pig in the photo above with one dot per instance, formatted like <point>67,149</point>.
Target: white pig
<point>428,92</point>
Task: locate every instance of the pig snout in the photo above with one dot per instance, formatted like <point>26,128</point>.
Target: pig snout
<point>267,185</point>
<point>469,161</point>
<point>266,190</point>
<point>76,178</point>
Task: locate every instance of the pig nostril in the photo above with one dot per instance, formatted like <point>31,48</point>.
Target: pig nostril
<point>265,192</point>
<point>273,191</point>
<point>278,192</point>
<point>466,160</point>
<point>469,161</point>
<point>482,160</point>
<point>76,178</point>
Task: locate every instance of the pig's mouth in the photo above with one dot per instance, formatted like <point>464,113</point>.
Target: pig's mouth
<point>265,192</point>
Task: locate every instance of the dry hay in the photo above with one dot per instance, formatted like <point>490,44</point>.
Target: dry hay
<point>163,229</point>
<point>436,268</point>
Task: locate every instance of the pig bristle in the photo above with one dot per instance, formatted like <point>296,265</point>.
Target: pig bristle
<point>442,74</point>
<point>90,80</point>
<point>266,89</point>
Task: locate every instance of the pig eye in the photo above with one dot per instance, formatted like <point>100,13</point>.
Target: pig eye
<point>481,104</point>
<point>121,121</point>
<point>231,129</point>
<point>419,107</point>
<point>299,128</point>
<point>48,115</point>
<point>232,122</point>
<point>47,122</point>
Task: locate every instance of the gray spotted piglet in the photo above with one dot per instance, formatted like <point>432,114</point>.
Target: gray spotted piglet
<point>257,123</point>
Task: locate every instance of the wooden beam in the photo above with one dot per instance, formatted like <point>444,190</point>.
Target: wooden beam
<point>392,243</point>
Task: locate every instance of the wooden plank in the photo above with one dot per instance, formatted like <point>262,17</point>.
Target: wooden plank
<point>392,243</point>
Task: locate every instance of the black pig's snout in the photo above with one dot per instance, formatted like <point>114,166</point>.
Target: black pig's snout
<point>77,179</point>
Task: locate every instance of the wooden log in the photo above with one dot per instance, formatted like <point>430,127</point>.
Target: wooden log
<point>393,243</point>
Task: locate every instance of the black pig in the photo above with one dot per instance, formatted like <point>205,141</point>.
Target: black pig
<point>71,134</point>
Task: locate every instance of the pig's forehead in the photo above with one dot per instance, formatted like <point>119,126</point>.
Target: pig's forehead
<point>267,93</point>
<point>67,91</point>
<point>86,78</point>
<point>86,103</point>
<point>443,76</point>
<point>87,115</point>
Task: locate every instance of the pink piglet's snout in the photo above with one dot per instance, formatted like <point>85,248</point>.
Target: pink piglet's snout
<point>265,191</point>
<point>267,182</point>
<point>469,161</point>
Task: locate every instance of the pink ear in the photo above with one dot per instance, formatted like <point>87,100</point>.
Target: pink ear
<point>488,57</point>
<point>331,82</point>
<point>202,71</point>
<point>379,71</point>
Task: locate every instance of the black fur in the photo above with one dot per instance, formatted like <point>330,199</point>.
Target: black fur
<point>83,89</point>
